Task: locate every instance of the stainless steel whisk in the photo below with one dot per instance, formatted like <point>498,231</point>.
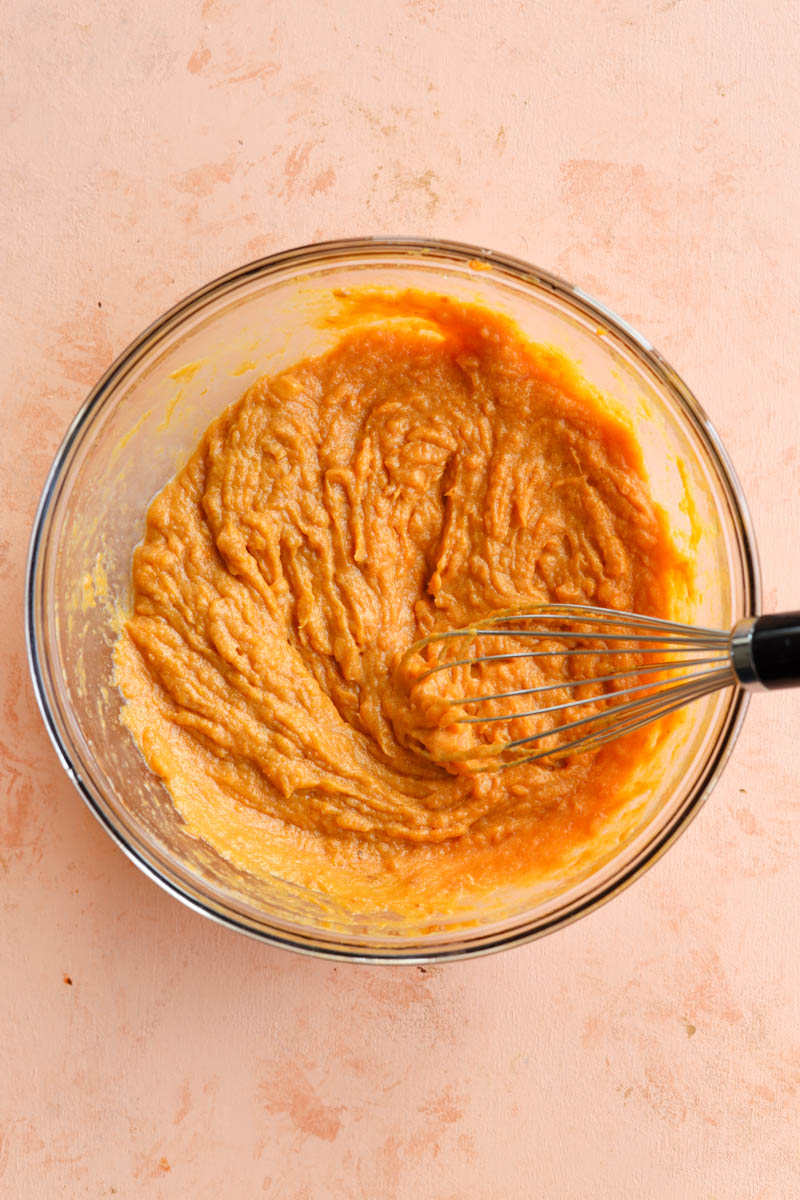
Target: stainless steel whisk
<point>683,663</point>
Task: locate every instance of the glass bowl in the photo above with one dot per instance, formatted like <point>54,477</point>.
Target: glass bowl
<point>136,429</point>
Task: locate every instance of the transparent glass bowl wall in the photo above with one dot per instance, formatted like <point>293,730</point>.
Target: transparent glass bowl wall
<point>137,428</point>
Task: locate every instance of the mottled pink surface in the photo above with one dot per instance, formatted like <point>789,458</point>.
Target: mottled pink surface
<point>647,149</point>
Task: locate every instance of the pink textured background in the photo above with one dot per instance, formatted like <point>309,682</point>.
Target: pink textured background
<point>647,149</point>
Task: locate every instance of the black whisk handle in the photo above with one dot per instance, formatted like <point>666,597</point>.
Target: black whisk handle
<point>775,650</point>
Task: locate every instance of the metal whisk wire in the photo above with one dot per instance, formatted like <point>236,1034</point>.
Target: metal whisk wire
<point>704,656</point>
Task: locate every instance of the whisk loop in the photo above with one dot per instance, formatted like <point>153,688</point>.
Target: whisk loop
<point>669,665</point>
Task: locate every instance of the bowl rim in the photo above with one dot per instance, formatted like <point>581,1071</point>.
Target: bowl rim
<point>317,253</point>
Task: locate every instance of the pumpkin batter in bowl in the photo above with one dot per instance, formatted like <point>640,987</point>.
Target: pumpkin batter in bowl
<point>431,468</point>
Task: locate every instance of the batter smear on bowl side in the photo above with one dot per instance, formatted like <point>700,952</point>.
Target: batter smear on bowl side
<point>432,467</point>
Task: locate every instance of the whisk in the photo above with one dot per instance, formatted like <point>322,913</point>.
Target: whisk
<point>674,665</point>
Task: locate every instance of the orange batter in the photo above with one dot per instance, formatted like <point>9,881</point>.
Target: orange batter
<point>431,468</point>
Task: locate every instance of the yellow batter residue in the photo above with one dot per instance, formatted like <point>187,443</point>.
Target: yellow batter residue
<point>431,468</point>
